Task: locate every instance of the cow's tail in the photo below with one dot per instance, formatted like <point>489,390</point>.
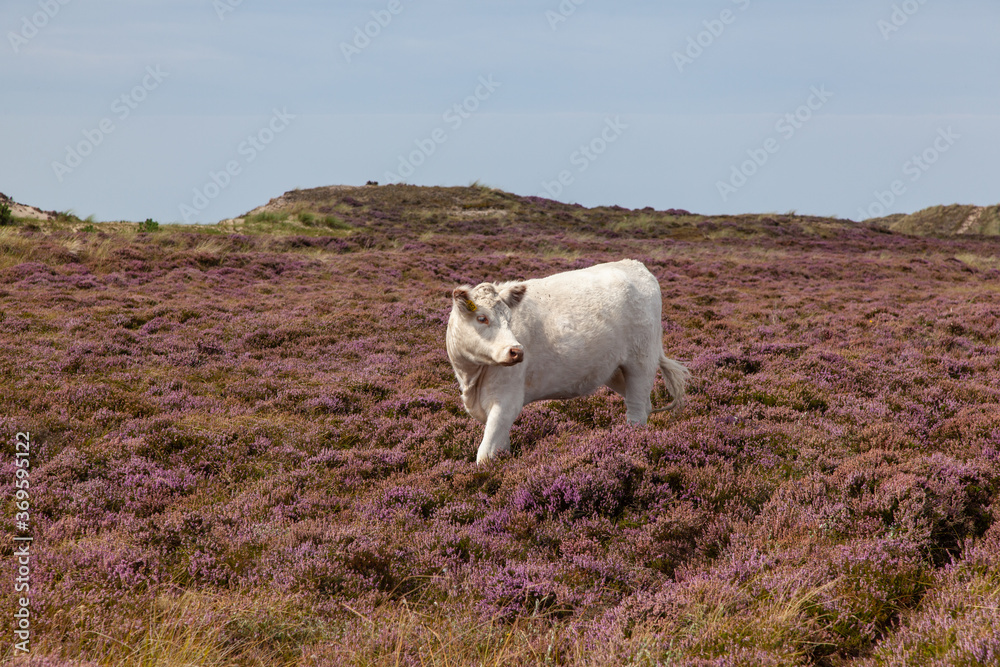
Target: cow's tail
<point>675,376</point>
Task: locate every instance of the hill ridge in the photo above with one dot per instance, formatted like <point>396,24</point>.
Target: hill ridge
<point>24,211</point>
<point>476,202</point>
<point>951,220</point>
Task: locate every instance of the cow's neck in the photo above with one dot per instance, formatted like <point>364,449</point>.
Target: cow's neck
<point>468,376</point>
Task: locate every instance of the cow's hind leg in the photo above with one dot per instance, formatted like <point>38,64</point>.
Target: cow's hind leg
<point>638,387</point>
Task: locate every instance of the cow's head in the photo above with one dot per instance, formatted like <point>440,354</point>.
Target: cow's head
<point>480,322</point>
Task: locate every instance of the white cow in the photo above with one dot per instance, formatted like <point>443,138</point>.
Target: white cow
<point>559,337</point>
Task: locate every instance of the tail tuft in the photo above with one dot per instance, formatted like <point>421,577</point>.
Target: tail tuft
<point>675,376</point>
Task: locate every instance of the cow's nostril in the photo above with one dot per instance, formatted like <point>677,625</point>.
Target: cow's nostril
<point>516,353</point>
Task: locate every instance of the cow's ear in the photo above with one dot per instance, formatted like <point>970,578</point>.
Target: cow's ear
<point>463,299</point>
<point>513,294</point>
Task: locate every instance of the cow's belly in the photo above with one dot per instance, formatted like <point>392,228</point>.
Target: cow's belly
<point>546,381</point>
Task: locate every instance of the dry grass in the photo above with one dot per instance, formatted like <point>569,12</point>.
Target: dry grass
<point>383,638</point>
<point>14,247</point>
<point>189,629</point>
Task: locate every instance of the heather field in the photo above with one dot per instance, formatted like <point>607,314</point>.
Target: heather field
<point>248,446</point>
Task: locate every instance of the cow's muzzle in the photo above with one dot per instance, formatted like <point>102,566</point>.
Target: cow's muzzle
<point>515,355</point>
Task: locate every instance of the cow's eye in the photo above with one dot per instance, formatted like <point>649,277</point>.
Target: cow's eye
<point>482,319</point>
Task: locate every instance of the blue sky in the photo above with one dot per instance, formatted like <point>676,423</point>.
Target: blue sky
<point>199,110</point>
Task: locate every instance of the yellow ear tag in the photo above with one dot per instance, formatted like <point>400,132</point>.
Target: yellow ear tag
<point>470,305</point>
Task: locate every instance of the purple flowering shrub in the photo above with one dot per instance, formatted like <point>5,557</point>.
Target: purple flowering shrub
<point>252,443</point>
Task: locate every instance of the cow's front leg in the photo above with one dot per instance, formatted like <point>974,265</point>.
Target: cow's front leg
<point>496,437</point>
